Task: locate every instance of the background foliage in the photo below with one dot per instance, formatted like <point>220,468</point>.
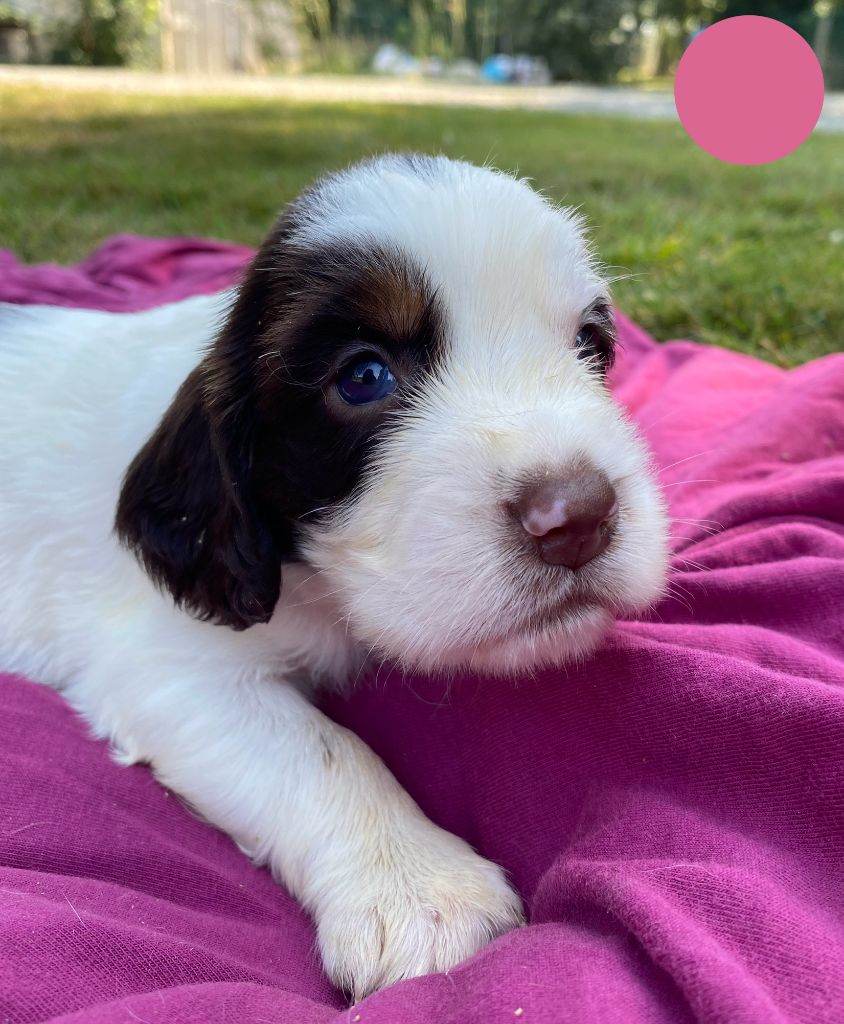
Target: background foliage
<point>106,32</point>
<point>582,40</point>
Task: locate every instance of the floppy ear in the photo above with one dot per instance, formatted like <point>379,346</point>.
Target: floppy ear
<point>186,508</point>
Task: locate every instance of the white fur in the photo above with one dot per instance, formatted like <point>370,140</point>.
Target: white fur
<point>515,276</point>
<point>416,567</point>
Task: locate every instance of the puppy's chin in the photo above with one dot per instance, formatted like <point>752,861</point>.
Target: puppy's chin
<point>569,637</point>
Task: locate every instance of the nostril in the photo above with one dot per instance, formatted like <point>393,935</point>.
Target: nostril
<point>569,518</point>
<point>543,517</point>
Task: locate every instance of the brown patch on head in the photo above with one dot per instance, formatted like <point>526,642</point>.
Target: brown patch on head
<point>347,291</point>
<point>393,296</point>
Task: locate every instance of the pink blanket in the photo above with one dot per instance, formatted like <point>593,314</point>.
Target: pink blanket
<point>672,812</point>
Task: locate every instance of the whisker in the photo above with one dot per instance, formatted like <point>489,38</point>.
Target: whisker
<point>679,462</point>
<point>676,595</point>
<point>709,524</point>
<point>681,483</point>
<point>693,564</point>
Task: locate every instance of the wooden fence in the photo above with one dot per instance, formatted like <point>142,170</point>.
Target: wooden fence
<point>216,36</point>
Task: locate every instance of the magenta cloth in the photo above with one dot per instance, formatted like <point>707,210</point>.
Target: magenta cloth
<point>126,273</point>
<point>672,811</point>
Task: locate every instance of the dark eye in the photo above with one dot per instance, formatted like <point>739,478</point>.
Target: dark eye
<point>365,381</point>
<point>585,342</point>
<point>596,343</point>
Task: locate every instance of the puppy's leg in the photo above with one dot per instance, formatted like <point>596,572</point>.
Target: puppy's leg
<point>393,895</point>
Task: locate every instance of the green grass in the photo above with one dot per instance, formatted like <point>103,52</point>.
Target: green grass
<point>751,258</point>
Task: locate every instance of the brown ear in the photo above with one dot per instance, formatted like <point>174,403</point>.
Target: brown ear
<point>186,508</point>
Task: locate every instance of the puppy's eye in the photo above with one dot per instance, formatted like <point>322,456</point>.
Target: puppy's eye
<point>364,381</point>
<point>595,343</point>
<point>586,342</point>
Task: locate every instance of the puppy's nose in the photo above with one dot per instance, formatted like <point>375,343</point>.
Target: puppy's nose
<point>570,518</point>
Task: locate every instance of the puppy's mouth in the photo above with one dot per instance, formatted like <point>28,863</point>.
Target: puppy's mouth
<point>548,636</point>
<point>560,615</point>
<point>560,605</point>
<point>571,623</point>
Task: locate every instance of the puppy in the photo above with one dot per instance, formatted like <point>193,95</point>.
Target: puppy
<point>404,417</point>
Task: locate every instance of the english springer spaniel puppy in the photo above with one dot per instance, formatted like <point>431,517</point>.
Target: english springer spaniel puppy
<point>398,444</point>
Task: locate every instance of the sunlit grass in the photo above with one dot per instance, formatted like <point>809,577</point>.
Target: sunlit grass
<point>751,258</point>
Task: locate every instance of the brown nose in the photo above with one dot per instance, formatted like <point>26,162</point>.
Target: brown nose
<point>569,518</point>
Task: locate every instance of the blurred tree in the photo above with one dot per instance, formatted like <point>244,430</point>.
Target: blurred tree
<point>804,16</point>
<point>792,12</point>
<point>580,39</point>
<point>105,32</point>
<point>457,12</point>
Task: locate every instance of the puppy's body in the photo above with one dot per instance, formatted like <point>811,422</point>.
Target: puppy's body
<point>404,526</point>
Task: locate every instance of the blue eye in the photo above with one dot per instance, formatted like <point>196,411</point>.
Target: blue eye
<point>365,381</point>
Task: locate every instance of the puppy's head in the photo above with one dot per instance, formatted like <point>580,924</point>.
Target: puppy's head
<point>409,396</point>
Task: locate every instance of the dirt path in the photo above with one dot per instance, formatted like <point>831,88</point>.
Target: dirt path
<point>589,99</point>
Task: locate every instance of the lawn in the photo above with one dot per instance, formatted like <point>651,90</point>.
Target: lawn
<point>751,258</point>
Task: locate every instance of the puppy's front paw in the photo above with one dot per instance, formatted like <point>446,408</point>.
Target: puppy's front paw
<point>412,908</point>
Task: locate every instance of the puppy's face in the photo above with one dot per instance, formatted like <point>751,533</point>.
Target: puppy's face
<point>409,396</point>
